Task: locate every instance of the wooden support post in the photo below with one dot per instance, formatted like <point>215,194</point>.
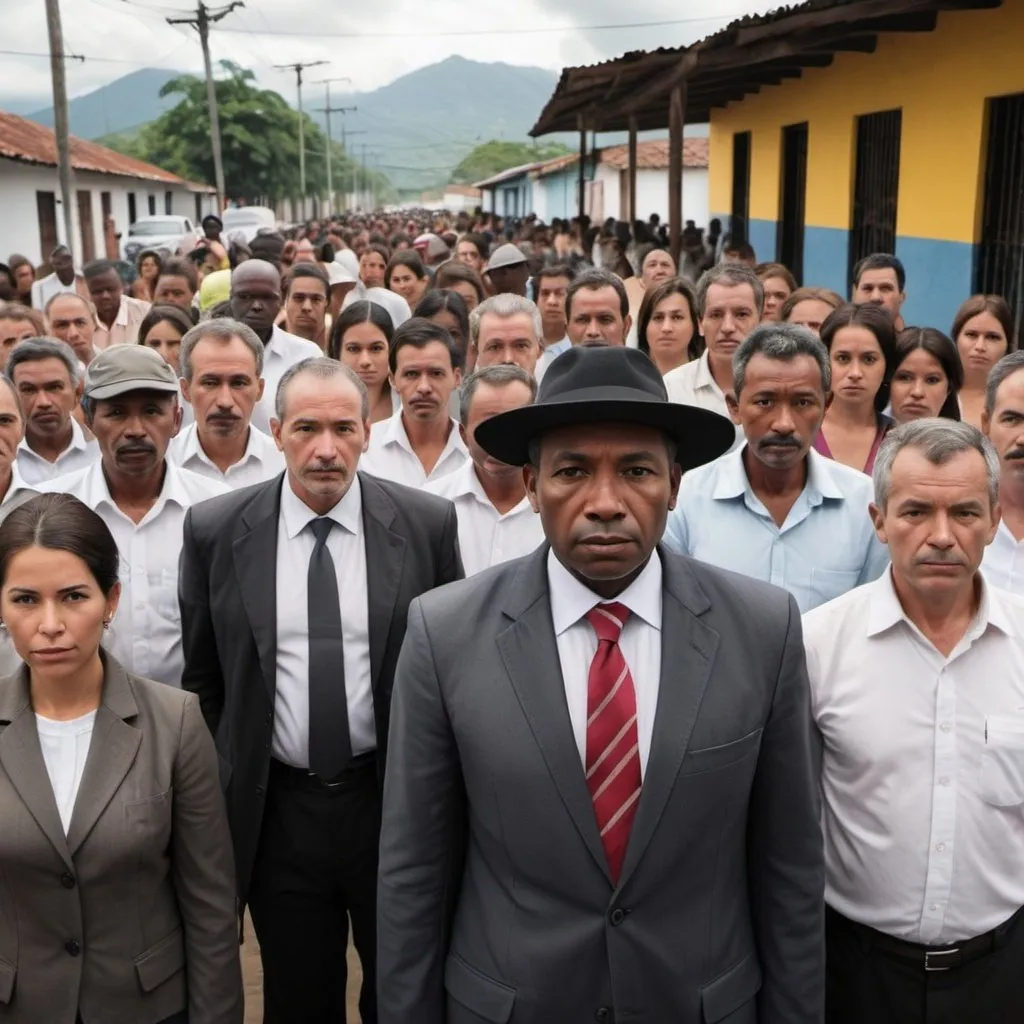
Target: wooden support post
<point>632,170</point>
<point>676,123</point>
<point>582,179</point>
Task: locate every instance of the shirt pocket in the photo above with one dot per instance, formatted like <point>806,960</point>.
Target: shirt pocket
<point>828,584</point>
<point>1002,764</point>
<point>164,585</point>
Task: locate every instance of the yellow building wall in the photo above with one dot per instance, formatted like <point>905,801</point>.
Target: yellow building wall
<point>941,81</point>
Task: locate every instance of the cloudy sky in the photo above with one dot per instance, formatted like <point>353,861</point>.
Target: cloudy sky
<point>370,42</point>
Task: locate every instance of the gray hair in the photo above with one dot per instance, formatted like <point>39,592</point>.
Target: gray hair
<point>732,275</point>
<point>1006,367</point>
<point>224,330</point>
<point>938,440</point>
<point>498,376</point>
<point>323,369</point>
<point>33,350</point>
<point>503,306</point>
<point>780,341</point>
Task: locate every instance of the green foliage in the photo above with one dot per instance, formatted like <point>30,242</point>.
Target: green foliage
<point>495,156</point>
<point>259,140</point>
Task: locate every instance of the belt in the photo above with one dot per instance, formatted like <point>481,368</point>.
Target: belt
<point>936,958</point>
<point>361,767</point>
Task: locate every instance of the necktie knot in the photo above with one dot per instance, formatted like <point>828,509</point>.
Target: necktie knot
<point>321,528</point>
<point>608,620</point>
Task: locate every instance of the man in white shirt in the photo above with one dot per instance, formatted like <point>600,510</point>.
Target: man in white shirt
<point>221,377</point>
<point>131,405</point>
<point>730,301</point>
<point>420,442</point>
<point>496,520</point>
<point>917,687</point>
<point>45,375</point>
<point>506,329</point>
<point>597,310</point>
<point>552,283</point>
<point>256,302</point>
<point>63,279</point>
<point>118,316</point>
<point>1003,424</point>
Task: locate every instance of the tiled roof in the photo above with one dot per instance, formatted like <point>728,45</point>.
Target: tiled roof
<point>653,155</point>
<point>31,143</point>
<point>462,190</point>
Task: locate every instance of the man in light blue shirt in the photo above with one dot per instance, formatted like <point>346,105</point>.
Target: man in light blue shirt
<point>775,509</point>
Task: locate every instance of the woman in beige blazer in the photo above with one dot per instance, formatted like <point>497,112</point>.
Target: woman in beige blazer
<point>117,891</point>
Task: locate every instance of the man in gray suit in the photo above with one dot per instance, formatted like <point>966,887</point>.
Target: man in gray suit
<point>601,800</point>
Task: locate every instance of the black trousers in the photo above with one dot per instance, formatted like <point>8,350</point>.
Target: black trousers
<point>315,868</point>
<point>866,985</point>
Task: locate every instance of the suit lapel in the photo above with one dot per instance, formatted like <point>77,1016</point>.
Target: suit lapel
<point>688,649</point>
<point>385,554</point>
<point>111,754</point>
<point>255,554</point>
<point>530,655</point>
<point>22,759</point>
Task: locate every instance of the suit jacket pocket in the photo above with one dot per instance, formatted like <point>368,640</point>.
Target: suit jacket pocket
<point>8,972</point>
<point>711,758</point>
<point>486,997</point>
<point>161,961</point>
<point>732,990</point>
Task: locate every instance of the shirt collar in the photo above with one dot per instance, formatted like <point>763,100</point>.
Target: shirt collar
<point>395,433</point>
<point>192,447</point>
<point>732,481</point>
<point>96,492</point>
<point>571,599</point>
<point>78,442</point>
<point>17,484</point>
<point>704,378</point>
<point>465,483</point>
<point>297,515</point>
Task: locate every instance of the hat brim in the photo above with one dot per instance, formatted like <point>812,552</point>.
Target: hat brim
<point>506,266</point>
<point>702,436</point>
<point>123,387</point>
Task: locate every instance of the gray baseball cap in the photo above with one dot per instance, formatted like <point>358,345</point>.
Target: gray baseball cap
<point>507,255</point>
<point>123,368</point>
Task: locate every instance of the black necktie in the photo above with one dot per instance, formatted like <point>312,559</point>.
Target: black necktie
<point>330,746</point>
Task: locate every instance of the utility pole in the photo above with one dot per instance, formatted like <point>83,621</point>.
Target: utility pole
<point>345,136</point>
<point>327,111</point>
<point>201,22</point>
<point>60,118</point>
<point>298,68</point>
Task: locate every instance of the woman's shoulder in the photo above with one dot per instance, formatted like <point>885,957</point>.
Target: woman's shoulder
<point>159,701</point>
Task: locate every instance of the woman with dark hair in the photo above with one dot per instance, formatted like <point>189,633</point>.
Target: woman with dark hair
<point>373,263</point>
<point>656,266</point>
<point>861,342</point>
<point>462,279</point>
<point>984,331</point>
<point>148,263</point>
<point>162,328</point>
<point>406,276</point>
<point>448,310</point>
<point>927,376</point>
<point>24,277</point>
<point>361,338</point>
<point>667,325</point>
<point>115,847</point>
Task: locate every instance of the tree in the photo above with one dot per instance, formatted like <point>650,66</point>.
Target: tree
<point>495,156</point>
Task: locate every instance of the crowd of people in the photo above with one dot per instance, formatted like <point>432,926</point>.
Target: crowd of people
<point>594,632</point>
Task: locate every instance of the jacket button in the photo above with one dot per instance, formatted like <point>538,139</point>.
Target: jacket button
<point>73,947</point>
<point>604,1015</point>
<point>617,916</point>
<point>67,880</point>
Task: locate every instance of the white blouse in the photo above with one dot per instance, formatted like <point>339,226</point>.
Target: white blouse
<point>65,749</point>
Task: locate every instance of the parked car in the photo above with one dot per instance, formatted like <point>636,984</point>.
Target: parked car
<point>248,221</point>
<point>169,235</point>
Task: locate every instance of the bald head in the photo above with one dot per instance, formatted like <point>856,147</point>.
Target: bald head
<point>256,296</point>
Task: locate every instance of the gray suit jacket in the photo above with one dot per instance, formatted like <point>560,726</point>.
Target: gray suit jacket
<point>495,901</point>
<point>130,918</point>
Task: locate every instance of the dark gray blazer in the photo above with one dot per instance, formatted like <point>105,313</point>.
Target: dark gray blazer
<point>131,917</point>
<point>228,593</point>
<point>495,902</point>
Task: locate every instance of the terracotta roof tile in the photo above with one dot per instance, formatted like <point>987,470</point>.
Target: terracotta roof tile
<point>653,154</point>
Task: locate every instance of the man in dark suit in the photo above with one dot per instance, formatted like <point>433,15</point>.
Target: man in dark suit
<point>294,597</point>
<point>601,802</point>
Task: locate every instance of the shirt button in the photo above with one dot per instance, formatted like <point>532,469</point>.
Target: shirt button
<point>934,906</point>
<point>603,1015</point>
<point>73,947</point>
<point>618,915</point>
<point>945,727</point>
<point>944,781</point>
<point>940,847</point>
<point>67,880</point>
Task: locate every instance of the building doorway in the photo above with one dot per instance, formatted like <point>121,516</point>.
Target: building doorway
<point>794,196</point>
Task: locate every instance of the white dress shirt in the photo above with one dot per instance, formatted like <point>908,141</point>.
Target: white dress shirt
<point>486,536</point>
<point>261,461</point>
<point>391,457</point>
<point>65,747</point>
<point>640,643</point>
<point>1003,564</point>
<point>347,546</point>
<point>923,765</point>
<point>281,353</point>
<point>693,383</point>
<point>549,355</point>
<point>79,454</point>
<point>18,492</point>
<point>145,635</point>
<point>46,288</point>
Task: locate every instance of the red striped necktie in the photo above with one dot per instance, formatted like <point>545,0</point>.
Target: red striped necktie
<point>613,755</point>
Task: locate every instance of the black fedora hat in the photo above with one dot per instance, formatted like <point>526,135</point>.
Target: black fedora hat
<point>606,385</point>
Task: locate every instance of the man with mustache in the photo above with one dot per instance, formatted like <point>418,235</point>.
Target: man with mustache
<point>917,688</point>
<point>775,509</point>
<point>1003,424</point>
<point>222,377</point>
<point>602,792</point>
<point>131,406</point>
<point>294,595</point>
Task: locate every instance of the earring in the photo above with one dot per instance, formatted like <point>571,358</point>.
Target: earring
<point>3,626</point>
<point>106,623</point>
